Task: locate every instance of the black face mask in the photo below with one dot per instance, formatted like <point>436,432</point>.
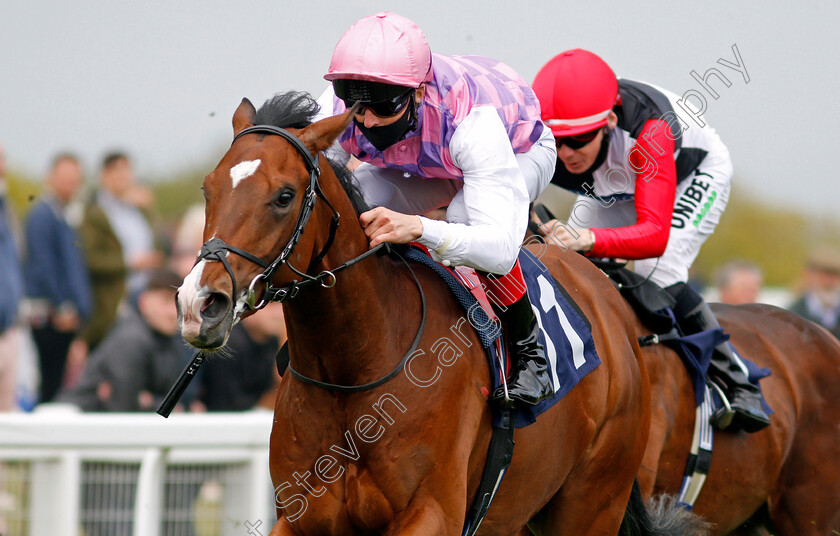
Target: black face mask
<point>386,136</point>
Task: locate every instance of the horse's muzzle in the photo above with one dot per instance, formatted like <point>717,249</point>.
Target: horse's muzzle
<point>205,319</point>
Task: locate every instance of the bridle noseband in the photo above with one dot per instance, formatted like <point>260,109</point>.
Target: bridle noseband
<point>216,249</point>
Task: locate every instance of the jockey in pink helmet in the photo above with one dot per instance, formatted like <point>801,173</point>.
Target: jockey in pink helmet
<point>452,150</point>
<point>651,188</point>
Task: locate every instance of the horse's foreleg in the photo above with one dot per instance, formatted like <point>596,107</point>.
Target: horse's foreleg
<point>422,518</point>
<point>426,517</point>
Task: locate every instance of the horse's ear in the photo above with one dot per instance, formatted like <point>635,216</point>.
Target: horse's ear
<point>318,136</point>
<point>243,117</point>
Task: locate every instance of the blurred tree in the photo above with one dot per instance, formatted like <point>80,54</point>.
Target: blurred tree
<point>174,195</point>
<point>776,238</point>
<point>23,192</point>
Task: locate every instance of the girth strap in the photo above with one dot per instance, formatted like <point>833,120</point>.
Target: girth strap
<point>499,456</point>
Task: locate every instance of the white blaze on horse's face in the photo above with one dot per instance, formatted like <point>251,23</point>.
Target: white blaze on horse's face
<point>191,297</point>
<point>243,170</point>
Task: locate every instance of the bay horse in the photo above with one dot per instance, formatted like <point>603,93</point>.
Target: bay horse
<point>391,452</point>
<point>783,480</point>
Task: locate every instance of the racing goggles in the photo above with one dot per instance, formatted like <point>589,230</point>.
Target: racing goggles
<point>383,100</point>
<point>577,142</point>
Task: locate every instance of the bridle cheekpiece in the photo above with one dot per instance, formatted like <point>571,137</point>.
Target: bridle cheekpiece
<point>216,249</point>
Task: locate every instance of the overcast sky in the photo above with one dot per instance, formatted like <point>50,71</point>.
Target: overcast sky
<point>161,79</point>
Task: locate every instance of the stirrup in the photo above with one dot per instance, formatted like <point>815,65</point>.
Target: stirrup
<point>722,417</point>
<point>501,395</point>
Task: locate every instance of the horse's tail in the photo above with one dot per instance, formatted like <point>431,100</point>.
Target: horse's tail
<point>661,516</point>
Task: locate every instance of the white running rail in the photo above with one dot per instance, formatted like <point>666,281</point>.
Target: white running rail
<point>68,473</point>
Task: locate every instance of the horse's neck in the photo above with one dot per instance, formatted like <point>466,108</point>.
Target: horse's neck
<point>356,331</point>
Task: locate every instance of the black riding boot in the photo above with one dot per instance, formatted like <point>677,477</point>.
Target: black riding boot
<point>744,398</point>
<point>529,380</point>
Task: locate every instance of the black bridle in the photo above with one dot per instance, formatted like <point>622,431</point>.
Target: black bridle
<point>216,249</point>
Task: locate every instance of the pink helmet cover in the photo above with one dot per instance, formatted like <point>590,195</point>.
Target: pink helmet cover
<point>383,48</point>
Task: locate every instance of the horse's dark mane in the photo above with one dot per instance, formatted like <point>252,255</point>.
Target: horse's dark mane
<point>297,109</point>
<point>293,109</point>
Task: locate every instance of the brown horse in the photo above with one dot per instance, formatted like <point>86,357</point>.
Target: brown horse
<point>399,450</point>
<point>785,478</point>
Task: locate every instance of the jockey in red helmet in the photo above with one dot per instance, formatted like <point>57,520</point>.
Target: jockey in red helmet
<point>651,188</point>
<point>456,136</point>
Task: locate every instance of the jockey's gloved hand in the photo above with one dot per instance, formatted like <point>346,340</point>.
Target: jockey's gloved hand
<point>559,233</point>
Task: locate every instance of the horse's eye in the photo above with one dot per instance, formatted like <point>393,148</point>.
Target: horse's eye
<point>285,199</point>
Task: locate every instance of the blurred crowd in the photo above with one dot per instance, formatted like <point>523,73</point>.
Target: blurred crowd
<point>87,309</point>
<point>87,302</point>
<point>817,293</point>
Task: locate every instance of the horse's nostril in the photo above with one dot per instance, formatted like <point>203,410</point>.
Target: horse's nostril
<point>215,307</point>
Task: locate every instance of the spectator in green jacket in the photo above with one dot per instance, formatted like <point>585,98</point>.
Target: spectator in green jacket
<point>118,242</point>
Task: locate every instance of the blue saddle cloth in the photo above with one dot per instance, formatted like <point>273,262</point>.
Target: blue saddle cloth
<point>565,333</point>
<point>696,353</point>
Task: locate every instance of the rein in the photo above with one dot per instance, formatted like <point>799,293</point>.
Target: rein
<point>217,249</point>
<point>395,371</point>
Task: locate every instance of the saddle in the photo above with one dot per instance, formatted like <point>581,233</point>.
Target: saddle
<point>647,299</point>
